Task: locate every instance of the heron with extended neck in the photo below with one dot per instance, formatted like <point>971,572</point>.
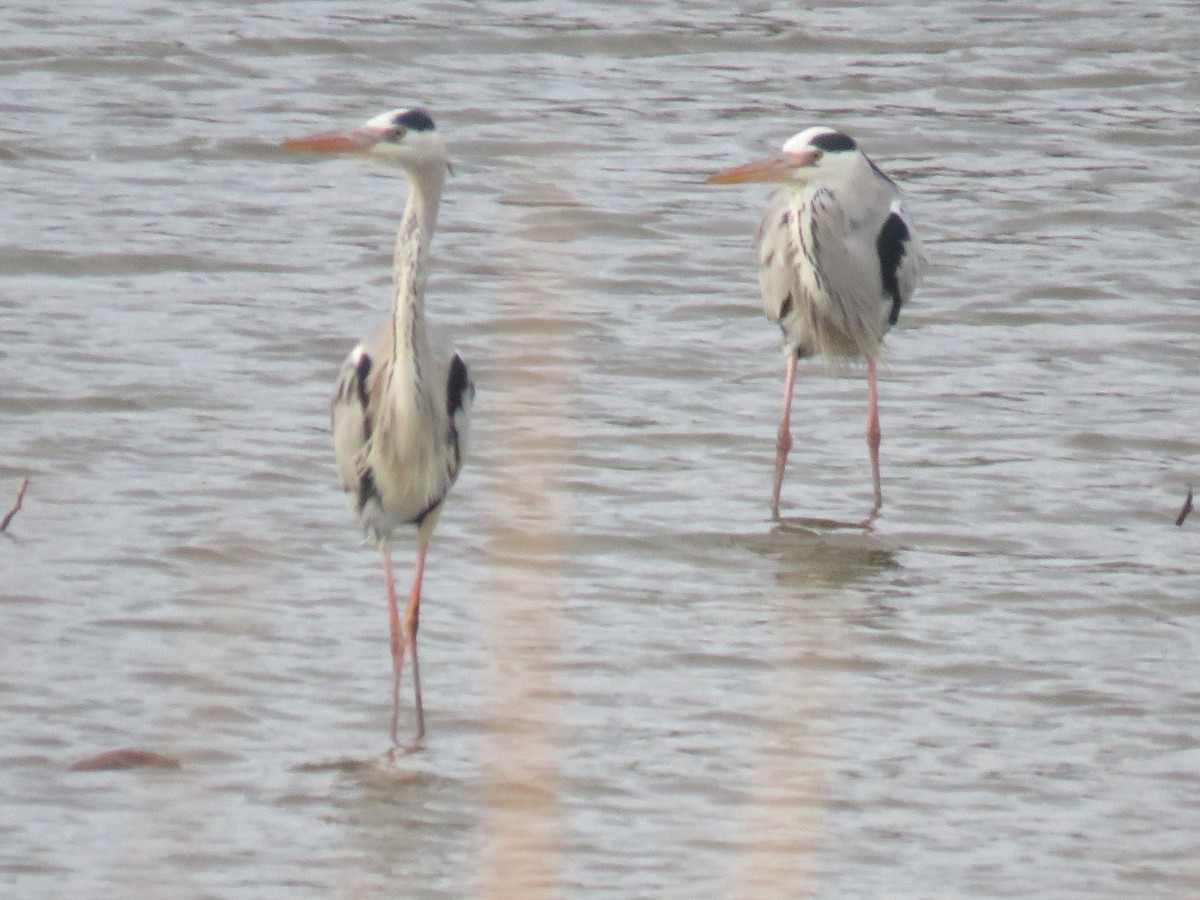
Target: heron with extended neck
<point>837,261</point>
<point>401,407</point>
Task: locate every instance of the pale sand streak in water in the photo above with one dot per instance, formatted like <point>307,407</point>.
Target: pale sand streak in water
<point>528,532</point>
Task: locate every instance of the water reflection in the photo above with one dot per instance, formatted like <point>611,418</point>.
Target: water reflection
<point>810,657</point>
<point>822,553</point>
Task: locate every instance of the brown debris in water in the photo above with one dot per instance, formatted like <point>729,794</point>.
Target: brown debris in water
<point>16,505</point>
<point>127,758</point>
<point>1187,508</point>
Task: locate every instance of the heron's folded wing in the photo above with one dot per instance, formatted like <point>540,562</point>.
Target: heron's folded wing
<point>776,258</point>
<point>351,416</point>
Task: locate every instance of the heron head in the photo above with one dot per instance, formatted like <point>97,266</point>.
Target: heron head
<point>406,138</point>
<point>815,154</point>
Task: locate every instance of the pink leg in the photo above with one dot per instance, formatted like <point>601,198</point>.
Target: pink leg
<point>411,622</point>
<point>396,644</point>
<point>784,441</point>
<point>873,432</point>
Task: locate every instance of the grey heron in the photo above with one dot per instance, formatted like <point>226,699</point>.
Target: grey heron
<point>837,261</point>
<point>402,402</point>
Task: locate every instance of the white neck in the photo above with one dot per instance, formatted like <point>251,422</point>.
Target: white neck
<point>410,344</point>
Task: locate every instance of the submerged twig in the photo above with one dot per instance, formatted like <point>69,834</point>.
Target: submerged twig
<point>15,507</point>
<point>1187,508</point>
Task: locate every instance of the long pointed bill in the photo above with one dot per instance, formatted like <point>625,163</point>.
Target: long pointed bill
<point>774,168</point>
<point>357,140</point>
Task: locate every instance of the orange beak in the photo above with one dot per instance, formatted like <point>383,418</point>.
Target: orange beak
<point>357,140</point>
<point>774,168</point>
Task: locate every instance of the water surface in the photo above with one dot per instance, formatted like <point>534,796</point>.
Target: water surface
<point>636,683</point>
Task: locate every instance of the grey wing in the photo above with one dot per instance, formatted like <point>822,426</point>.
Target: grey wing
<point>776,258</point>
<point>352,421</point>
<point>848,270</point>
<point>864,272</point>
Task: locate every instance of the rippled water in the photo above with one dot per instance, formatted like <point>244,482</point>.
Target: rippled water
<point>636,683</point>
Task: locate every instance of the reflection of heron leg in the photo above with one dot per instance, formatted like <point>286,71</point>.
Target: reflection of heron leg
<point>873,432</point>
<point>784,442</point>
<point>396,644</point>
<point>411,621</point>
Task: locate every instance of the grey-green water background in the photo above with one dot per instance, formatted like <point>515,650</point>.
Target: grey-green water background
<point>993,694</point>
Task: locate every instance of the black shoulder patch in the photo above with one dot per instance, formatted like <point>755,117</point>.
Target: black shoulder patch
<point>457,385</point>
<point>361,373</point>
<point>890,245</point>
<point>366,489</point>
<point>833,142</point>
<point>415,119</point>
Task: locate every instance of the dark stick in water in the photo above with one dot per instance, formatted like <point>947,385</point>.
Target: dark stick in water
<point>1187,508</point>
<point>16,505</point>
